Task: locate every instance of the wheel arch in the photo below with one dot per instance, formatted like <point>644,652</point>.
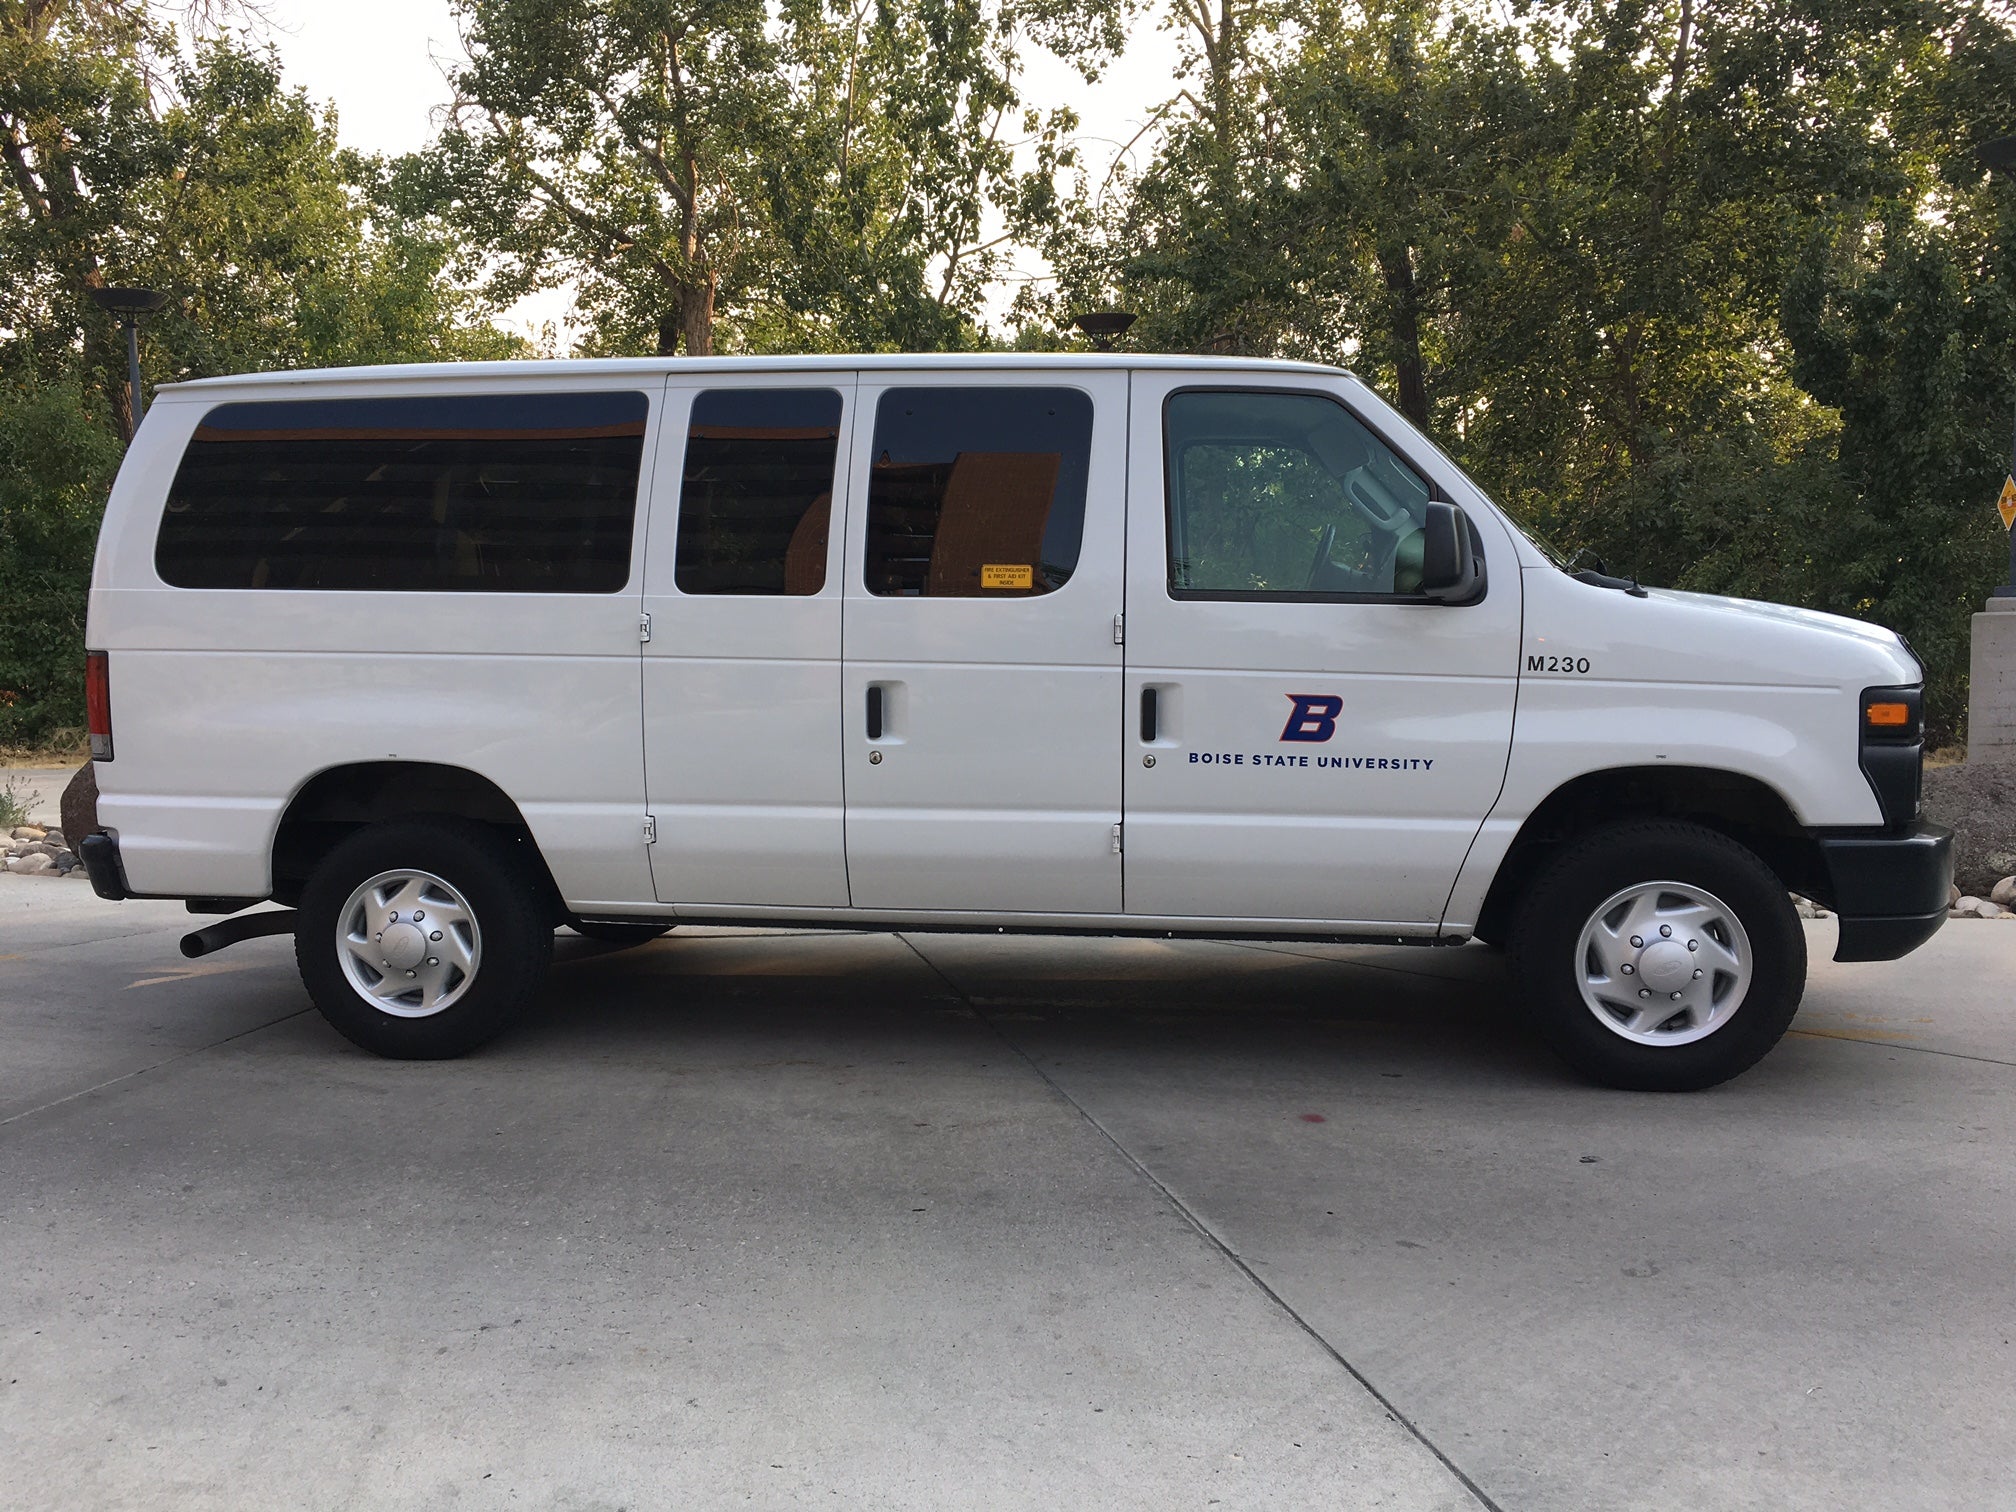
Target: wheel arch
<point>1745,808</point>
<point>341,799</point>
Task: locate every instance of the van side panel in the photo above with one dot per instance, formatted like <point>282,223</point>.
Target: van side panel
<point>1312,757</point>
<point>1610,681</point>
<point>235,698</point>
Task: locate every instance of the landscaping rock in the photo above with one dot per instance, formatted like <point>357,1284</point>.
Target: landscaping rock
<point>79,804</point>
<point>1977,799</point>
<point>2004,893</point>
<point>31,866</point>
<point>28,832</point>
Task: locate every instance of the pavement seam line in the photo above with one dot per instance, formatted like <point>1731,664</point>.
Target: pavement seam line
<point>133,934</point>
<point>1856,1039</point>
<point>1210,1235</point>
<point>144,1070</point>
<point>1303,955</point>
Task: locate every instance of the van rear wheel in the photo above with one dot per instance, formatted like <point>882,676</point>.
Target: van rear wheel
<point>420,940</point>
<point>1659,956</point>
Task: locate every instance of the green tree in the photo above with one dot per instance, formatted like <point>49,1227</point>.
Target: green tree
<point>76,134</point>
<point>1709,286</point>
<point>710,172</point>
<point>57,458</point>
<point>129,160</point>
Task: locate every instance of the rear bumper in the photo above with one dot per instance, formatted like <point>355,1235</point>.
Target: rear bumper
<point>1889,888</point>
<point>100,855</point>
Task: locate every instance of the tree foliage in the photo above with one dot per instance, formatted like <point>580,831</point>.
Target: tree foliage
<point>1713,288</point>
<point>814,174</point>
<point>132,160</point>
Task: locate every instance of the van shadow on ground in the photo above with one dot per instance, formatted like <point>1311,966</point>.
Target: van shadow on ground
<point>1354,1010</point>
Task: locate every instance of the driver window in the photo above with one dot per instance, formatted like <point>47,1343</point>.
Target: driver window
<point>1277,495</point>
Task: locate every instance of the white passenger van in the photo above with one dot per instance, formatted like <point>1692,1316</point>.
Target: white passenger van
<point>445,657</point>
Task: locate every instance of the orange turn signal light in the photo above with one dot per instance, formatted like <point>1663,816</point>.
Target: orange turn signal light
<point>1887,716</point>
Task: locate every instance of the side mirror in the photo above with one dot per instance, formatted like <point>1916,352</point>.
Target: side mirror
<point>1452,566</point>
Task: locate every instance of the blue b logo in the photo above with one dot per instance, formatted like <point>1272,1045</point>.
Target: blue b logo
<point>1315,716</point>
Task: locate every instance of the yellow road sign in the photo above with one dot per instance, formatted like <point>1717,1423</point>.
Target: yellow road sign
<point>2007,503</point>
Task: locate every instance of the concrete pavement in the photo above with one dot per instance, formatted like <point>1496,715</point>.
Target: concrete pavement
<point>930,1221</point>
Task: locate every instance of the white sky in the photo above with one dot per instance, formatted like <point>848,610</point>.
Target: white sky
<point>376,62</point>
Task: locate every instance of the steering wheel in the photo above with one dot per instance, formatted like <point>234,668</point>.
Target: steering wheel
<point>1322,557</point>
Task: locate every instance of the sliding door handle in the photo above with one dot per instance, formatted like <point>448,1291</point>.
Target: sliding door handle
<point>1149,711</point>
<point>874,711</point>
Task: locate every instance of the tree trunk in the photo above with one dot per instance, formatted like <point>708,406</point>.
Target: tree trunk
<point>110,362</point>
<point>668,336</point>
<point>1397,264</point>
<point>696,317</point>
<point>105,347</point>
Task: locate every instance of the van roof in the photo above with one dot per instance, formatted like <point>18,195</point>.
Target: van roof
<point>824,363</point>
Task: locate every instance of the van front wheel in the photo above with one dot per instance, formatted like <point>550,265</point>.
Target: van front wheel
<point>421,940</point>
<point>1659,956</point>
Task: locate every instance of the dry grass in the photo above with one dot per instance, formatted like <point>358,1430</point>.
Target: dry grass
<point>17,802</point>
<point>62,748</point>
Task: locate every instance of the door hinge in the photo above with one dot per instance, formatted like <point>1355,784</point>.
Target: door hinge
<point>1116,839</point>
<point>643,627</point>
<point>650,830</point>
<point>1119,629</point>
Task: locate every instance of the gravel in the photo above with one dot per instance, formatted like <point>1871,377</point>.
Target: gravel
<point>33,851</point>
<point>1977,800</point>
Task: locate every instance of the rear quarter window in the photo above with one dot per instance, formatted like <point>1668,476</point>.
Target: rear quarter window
<point>499,493</point>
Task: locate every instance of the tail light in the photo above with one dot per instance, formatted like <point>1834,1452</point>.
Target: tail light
<point>98,704</point>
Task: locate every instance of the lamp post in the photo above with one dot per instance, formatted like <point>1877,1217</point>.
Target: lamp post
<point>1999,156</point>
<point>1991,663</point>
<point>129,305</point>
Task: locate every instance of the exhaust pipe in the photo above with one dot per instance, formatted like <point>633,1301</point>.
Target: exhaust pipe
<point>242,927</point>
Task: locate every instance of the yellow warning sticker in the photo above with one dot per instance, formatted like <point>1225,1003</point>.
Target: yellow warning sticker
<point>2007,503</point>
<point>998,575</point>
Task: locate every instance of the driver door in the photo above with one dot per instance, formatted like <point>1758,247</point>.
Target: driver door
<point>1310,740</point>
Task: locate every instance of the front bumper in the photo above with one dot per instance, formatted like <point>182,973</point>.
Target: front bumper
<point>1889,888</point>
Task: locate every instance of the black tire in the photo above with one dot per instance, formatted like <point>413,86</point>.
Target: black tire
<point>618,934</point>
<point>1548,929</point>
<point>504,896</point>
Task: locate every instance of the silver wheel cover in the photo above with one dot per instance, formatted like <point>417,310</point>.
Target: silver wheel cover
<point>408,943</point>
<point>1663,963</point>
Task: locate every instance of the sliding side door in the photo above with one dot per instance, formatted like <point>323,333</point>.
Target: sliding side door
<point>742,664</point>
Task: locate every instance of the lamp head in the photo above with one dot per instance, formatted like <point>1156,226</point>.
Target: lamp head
<point>129,302</point>
<point>1999,155</point>
<point>1104,326</point>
